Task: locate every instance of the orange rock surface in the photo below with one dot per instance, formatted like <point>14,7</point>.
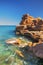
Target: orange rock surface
<point>33,23</point>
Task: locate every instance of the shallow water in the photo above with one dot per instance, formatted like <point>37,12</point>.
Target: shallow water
<point>8,54</point>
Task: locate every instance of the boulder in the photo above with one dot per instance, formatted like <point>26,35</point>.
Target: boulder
<point>38,50</point>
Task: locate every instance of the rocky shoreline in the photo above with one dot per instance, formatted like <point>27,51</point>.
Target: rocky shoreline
<point>31,28</point>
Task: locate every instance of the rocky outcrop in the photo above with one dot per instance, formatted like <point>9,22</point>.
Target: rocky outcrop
<point>32,23</point>
<point>35,36</point>
<point>32,28</point>
<point>28,24</point>
<point>26,20</point>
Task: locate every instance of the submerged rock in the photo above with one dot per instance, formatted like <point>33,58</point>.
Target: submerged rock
<point>18,41</point>
<point>13,41</point>
<point>19,53</point>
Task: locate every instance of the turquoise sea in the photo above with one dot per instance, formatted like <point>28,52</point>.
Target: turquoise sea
<point>8,55</point>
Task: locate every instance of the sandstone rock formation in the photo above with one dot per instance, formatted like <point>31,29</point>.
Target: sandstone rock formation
<point>26,20</point>
<point>28,24</point>
<point>32,28</point>
<point>32,23</point>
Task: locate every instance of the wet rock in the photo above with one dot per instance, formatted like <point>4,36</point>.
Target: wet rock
<point>13,41</point>
<point>38,50</point>
<point>19,53</point>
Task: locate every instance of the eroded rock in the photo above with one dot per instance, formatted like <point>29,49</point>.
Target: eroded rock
<point>32,23</point>
<point>29,26</point>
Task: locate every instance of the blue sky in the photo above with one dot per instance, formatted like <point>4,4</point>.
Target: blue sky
<point>11,11</point>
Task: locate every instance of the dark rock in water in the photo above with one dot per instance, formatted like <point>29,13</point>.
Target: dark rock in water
<point>40,62</point>
<point>38,50</point>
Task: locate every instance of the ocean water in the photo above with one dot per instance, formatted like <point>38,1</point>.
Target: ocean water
<point>8,54</point>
